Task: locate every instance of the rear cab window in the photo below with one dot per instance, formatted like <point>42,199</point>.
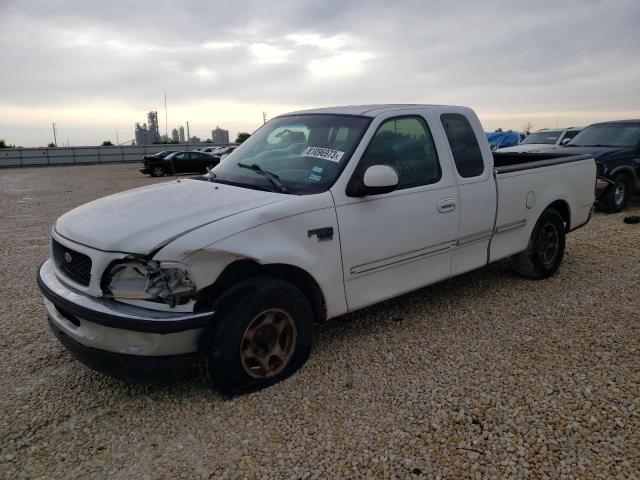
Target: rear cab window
<point>464,145</point>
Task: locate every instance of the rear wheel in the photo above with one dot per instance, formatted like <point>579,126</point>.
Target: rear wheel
<point>157,171</point>
<point>261,335</point>
<point>545,250</point>
<point>615,197</point>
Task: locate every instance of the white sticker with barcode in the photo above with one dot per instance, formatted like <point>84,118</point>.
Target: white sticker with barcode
<point>323,153</point>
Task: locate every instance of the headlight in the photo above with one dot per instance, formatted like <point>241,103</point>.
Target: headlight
<point>138,280</point>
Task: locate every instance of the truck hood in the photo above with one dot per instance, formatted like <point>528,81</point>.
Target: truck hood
<point>599,153</point>
<point>143,219</point>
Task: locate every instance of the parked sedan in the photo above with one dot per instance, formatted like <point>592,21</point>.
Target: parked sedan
<point>223,152</point>
<point>543,139</point>
<point>210,150</point>
<point>179,162</point>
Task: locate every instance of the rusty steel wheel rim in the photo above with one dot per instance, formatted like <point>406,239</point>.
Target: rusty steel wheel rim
<point>268,343</point>
<point>549,243</point>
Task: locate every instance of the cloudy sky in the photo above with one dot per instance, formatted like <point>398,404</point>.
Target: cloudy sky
<point>97,67</point>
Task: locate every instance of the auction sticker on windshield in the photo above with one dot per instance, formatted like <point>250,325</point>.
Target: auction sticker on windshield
<point>323,153</point>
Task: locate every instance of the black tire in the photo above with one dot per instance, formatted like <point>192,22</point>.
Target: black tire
<point>541,259</point>
<point>615,196</point>
<point>221,359</point>
<point>157,171</point>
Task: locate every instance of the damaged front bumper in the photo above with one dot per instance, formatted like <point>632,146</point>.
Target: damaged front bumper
<point>121,340</point>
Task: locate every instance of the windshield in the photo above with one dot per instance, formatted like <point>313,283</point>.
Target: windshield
<point>608,135</point>
<point>305,153</point>
<point>549,137</point>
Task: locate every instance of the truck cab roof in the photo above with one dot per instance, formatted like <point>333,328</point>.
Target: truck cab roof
<point>367,110</point>
<point>613,122</point>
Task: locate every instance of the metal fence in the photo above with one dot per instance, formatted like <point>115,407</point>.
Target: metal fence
<point>30,157</point>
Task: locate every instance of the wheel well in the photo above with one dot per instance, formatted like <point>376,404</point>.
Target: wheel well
<point>628,175</point>
<point>562,208</point>
<point>246,269</point>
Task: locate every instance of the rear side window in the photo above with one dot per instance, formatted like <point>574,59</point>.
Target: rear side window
<point>464,145</point>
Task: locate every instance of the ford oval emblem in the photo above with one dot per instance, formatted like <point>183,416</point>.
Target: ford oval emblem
<point>67,257</point>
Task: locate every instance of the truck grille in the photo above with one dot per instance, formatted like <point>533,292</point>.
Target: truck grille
<point>74,265</point>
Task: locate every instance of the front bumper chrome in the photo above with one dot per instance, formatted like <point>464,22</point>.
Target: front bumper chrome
<point>111,326</point>
<point>601,185</point>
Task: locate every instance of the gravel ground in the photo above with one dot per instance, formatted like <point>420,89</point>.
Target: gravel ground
<point>487,374</point>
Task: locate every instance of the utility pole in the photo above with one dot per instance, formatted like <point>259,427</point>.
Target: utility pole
<point>558,115</point>
<point>264,117</point>
<point>117,139</point>
<point>188,134</point>
<point>166,130</point>
<point>55,140</point>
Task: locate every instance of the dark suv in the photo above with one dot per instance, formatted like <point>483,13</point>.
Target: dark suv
<point>179,162</point>
<point>616,148</point>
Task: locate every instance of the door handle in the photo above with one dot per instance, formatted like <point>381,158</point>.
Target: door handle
<point>446,205</point>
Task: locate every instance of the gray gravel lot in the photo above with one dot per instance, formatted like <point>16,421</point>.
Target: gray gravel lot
<point>487,374</point>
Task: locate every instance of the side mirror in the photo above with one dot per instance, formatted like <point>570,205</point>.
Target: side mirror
<point>377,179</point>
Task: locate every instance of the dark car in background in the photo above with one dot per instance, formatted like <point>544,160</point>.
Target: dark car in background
<point>179,162</point>
<point>616,148</point>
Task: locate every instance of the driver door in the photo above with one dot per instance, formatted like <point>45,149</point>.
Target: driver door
<point>179,162</point>
<point>399,241</point>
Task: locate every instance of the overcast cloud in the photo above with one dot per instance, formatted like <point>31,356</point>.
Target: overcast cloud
<point>98,67</point>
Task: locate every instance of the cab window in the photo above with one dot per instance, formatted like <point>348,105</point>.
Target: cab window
<point>406,144</point>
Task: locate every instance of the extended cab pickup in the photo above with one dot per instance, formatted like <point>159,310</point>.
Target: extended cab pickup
<point>317,214</point>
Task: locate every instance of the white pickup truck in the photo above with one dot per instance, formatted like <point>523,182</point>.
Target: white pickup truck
<point>320,213</point>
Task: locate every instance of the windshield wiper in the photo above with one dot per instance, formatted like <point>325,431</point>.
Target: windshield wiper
<point>272,177</point>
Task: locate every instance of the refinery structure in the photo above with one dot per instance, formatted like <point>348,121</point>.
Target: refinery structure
<point>149,133</point>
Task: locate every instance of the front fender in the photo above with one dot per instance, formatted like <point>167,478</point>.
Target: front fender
<point>281,233</point>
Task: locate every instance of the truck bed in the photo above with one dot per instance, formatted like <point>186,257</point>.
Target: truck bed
<point>527,184</point>
<point>513,162</point>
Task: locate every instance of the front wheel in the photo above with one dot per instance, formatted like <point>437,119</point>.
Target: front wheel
<point>615,197</point>
<point>260,336</point>
<point>545,250</point>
